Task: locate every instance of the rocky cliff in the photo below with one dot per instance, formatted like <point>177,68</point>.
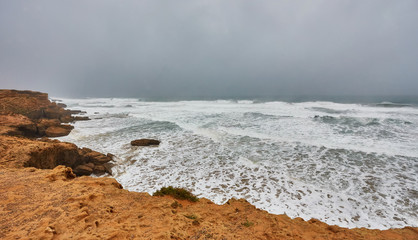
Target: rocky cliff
<point>31,114</point>
<point>27,115</point>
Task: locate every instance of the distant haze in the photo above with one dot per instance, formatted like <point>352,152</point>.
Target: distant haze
<point>210,48</point>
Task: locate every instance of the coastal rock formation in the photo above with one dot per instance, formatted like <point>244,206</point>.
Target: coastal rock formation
<point>34,105</point>
<point>47,154</point>
<point>52,204</point>
<point>58,131</point>
<point>31,114</point>
<point>17,125</point>
<point>145,142</point>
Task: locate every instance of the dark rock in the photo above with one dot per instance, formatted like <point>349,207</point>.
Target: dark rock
<point>91,165</point>
<point>83,170</point>
<point>61,105</point>
<point>84,150</point>
<point>52,113</point>
<point>108,167</point>
<point>66,119</point>
<point>78,118</point>
<point>96,158</point>
<point>99,169</point>
<point>76,112</point>
<point>145,142</point>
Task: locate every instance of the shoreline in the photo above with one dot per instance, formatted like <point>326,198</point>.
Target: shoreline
<point>100,208</point>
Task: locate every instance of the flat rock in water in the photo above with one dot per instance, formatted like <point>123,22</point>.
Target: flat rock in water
<point>145,142</point>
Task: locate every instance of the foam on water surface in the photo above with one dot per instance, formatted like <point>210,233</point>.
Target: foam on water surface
<point>346,164</point>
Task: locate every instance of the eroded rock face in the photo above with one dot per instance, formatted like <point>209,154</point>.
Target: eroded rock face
<point>47,154</point>
<point>34,105</point>
<point>31,114</point>
<point>17,125</point>
<point>50,155</point>
<point>145,142</point>
<point>28,103</point>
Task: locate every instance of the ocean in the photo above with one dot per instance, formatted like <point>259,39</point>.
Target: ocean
<point>352,165</point>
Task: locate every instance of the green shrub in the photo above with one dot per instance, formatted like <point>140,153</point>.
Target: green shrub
<point>247,223</point>
<point>178,193</point>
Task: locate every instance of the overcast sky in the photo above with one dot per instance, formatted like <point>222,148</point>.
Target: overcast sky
<point>210,48</point>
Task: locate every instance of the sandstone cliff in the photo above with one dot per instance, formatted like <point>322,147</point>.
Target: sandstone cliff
<point>31,114</point>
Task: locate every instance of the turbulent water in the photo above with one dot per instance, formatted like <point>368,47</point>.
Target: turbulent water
<point>351,165</point>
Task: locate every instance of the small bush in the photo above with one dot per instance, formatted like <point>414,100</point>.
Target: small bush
<point>247,223</point>
<point>179,193</point>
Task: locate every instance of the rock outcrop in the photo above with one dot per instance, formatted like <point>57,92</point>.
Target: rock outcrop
<point>17,125</point>
<point>145,142</point>
<point>31,114</point>
<point>47,154</point>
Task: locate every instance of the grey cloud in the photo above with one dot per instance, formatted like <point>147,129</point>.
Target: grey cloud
<point>210,48</point>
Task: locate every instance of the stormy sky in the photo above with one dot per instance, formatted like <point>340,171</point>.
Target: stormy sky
<point>210,48</point>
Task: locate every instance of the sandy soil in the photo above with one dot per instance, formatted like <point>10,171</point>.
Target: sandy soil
<point>54,204</point>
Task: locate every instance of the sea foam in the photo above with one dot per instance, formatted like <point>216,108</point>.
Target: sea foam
<point>347,164</point>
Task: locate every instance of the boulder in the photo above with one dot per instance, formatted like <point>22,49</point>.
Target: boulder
<point>61,105</point>
<point>95,157</point>
<point>145,142</point>
<point>109,167</point>
<point>66,119</point>
<point>80,118</point>
<point>83,170</point>
<point>90,165</point>
<point>75,111</point>
<point>99,169</point>
<point>57,131</point>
